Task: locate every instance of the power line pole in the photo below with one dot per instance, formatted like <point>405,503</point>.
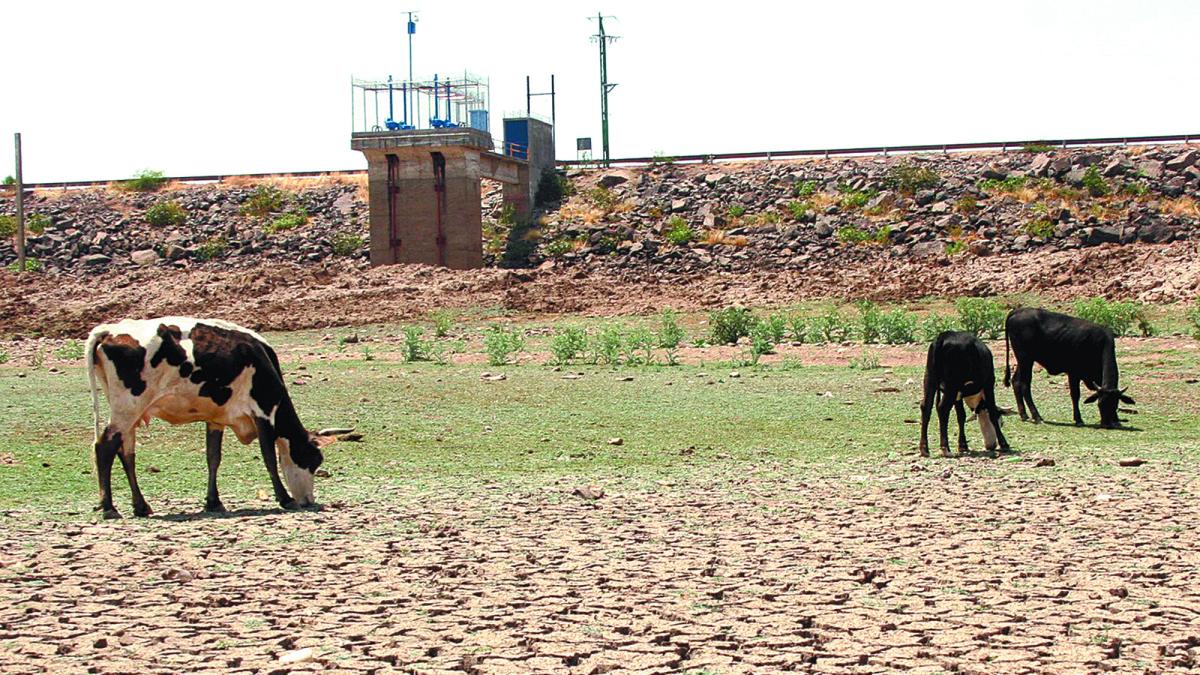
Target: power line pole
<point>20,207</point>
<point>603,39</point>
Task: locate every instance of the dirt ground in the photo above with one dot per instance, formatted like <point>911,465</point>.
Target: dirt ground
<point>288,297</point>
<point>969,565</point>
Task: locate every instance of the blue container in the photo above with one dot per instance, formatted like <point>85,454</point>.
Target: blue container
<point>479,119</point>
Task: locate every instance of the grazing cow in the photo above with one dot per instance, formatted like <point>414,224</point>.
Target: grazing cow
<point>1085,351</point>
<point>959,369</point>
<point>185,370</point>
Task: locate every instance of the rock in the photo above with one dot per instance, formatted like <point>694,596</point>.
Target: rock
<point>616,441</point>
<point>1075,176</point>
<point>1182,160</point>
<point>492,377</point>
<point>95,260</point>
<point>678,205</point>
<point>611,180</point>
<point>174,252</point>
<point>734,374</point>
<point>1059,166</point>
<point>1157,232</point>
<point>1131,461</point>
<point>994,171</point>
<point>589,492</point>
<point>1040,165</point>
<point>297,656</point>
<point>1152,169</point>
<point>144,257</point>
<point>980,247</point>
<point>1117,166</point>
<point>715,179</point>
<point>925,197</point>
<point>1093,236</point>
<point>928,249</point>
<point>1043,461</point>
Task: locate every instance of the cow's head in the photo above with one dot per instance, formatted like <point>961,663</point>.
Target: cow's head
<point>1108,400</point>
<point>988,424</point>
<point>298,462</point>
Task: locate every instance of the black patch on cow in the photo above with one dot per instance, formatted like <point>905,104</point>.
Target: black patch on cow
<point>128,357</point>
<point>171,351</point>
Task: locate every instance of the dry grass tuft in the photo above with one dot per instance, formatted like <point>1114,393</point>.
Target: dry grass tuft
<point>721,238</point>
<point>1182,206</point>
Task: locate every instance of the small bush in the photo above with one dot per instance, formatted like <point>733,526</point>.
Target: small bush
<point>804,189</point>
<point>551,187</point>
<point>502,343</point>
<point>166,214</point>
<point>955,246</point>
<point>1135,189</point>
<point>761,342</point>
<point>854,199</point>
<point>607,346</point>
<point>71,350</point>
<point>909,178</point>
<point>345,244</point>
<point>898,327</point>
<point>568,344</point>
<point>831,327</point>
<point>736,211</point>
<point>265,200</point>
<point>31,265</point>
<point>1094,183</point>
<point>966,205</point>
<point>670,336</point>
<point>870,321</point>
<point>866,360</point>
<point>981,316</point>
<point>678,231</point>
<point>798,328</point>
<point>367,354</point>
<point>727,326</point>
<point>601,197</point>
<point>798,210</point>
<point>1041,228</point>
<point>415,348</point>
<point>8,226</point>
<point>10,180</point>
<point>213,248</point>
<point>853,234</point>
<point>1119,317</point>
<point>146,180</point>
<point>35,223</point>
<point>1036,148</point>
<point>1193,316</point>
<point>934,325</point>
<point>1010,184</point>
<point>3,356</point>
<point>776,326</point>
<point>288,221</point>
<point>638,346</point>
<point>443,322</point>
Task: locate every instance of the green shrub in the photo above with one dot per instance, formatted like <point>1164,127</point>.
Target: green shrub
<point>3,356</point>
<point>551,187</point>
<point>166,214</point>
<point>35,223</point>
<point>146,180</point>
<point>866,360</point>
<point>1094,183</point>
<point>415,348</point>
<point>607,345</point>
<point>10,180</point>
<point>213,248</point>
<point>909,178</point>
<point>601,197</point>
<point>966,205</point>
<point>1041,228</point>
<point>728,325</point>
<point>443,322</point>
<point>830,327</point>
<point>1193,316</point>
<point>345,244</point>
<point>853,234</point>
<point>567,344</point>
<point>798,328</point>
<point>8,226</point>
<point>870,321</point>
<point>775,326</point>
<point>1010,184</point>
<point>898,327</point>
<point>981,316</point>
<point>265,200</point>
<point>798,210</point>
<point>1036,148</point>
<point>367,354</point>
<point>288,221</point>
<point>934,325</point>
<point>670,336</point>
<point>31,265</point>
<point>804,189</point>
<point>71,350</point>
<point>854,199</point>
<point>736,211</point>
<point>502,343</point>
<point>955,246</point>
<point>1119,317</point>
<point>638,346</point>
<point>761,342</point>
<point>678,231</point>
<point>1135,189</point>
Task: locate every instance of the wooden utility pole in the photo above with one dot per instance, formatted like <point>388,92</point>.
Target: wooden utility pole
<point>20,209</point>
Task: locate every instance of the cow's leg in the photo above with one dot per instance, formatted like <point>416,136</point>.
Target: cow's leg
<point>127,455</point>
<point>1018,384</point>
<point>106,452</point>
<point>1073,383</point>
<point>926,408</point>
<point>1025,372</point>
<point>212,447</point>
<point>961,413</point>
<point>943,410</point>
<point>266,442</point>
<point>995,420</point>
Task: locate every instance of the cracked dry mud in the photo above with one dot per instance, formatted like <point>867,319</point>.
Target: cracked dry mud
<point>988,568</point>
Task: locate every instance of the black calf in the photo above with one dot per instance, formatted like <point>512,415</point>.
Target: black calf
<point>959,368</point>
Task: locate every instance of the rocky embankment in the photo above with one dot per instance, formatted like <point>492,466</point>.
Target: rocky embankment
<point>678,219</point>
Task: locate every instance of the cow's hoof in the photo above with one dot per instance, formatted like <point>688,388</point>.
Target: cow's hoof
<point>945,451</point>
<point>111,514</point>
<point>963,449</point>
<point>1036,420</point>
<point>1078,423</point>
<point>142,511</point>
<point>214,507</point>
<point>289,505</point>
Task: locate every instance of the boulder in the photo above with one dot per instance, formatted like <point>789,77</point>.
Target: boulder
<point>1101,235</point>
<point>611,180</point>
<point>1182,160</point>
<point>928,249</point>
<point>144,257</point>
<point>994,171</point>
<point>95,260</point>
<point>1117,166</point>
<point>1040,165</point>
<point>1151,168</point>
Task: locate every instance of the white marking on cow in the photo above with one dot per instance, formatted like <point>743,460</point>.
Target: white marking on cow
<point>988,429</point>
<point>299,481</point>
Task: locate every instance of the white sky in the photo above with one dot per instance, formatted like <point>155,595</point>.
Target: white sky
<point>102,89</point>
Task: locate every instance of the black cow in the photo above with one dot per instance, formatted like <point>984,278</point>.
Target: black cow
<point>182,370</point>
<point>1085,351</point>
<point>959,368</point>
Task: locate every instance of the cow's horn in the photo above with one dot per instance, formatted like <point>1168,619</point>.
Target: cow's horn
<point>1128,411</point>
<point>335,431</point>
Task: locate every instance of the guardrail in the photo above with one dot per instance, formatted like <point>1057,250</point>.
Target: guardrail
<point>1003,146</point>
<point>896,149</point>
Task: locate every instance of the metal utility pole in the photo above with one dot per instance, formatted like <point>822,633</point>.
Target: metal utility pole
<point>412,28</point>
<point>20,208</point>
<point>529,94</point>
<point>603,39</point>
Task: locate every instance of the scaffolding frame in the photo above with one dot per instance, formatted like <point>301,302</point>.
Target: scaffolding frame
<point>454,97</point>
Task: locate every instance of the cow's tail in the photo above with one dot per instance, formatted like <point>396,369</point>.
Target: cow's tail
<point>1007,368</point>
<point>89,356</point>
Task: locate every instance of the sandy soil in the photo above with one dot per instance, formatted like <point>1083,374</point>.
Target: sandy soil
<point>285,296</point>
<point>959,565</point>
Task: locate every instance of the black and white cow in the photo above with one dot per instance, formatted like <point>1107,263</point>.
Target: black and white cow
<point>183,370</point>
<point>1085,351</point>
<point>959,369</point>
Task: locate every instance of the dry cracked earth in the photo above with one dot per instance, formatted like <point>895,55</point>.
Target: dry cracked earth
<point>968,565</point>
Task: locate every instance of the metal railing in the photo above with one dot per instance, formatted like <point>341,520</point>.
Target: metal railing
<point>706,158</point>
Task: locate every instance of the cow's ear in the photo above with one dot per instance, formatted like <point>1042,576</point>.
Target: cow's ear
<point>322,441</point>
<point>1092,398</point>
<point>1128,399</point>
